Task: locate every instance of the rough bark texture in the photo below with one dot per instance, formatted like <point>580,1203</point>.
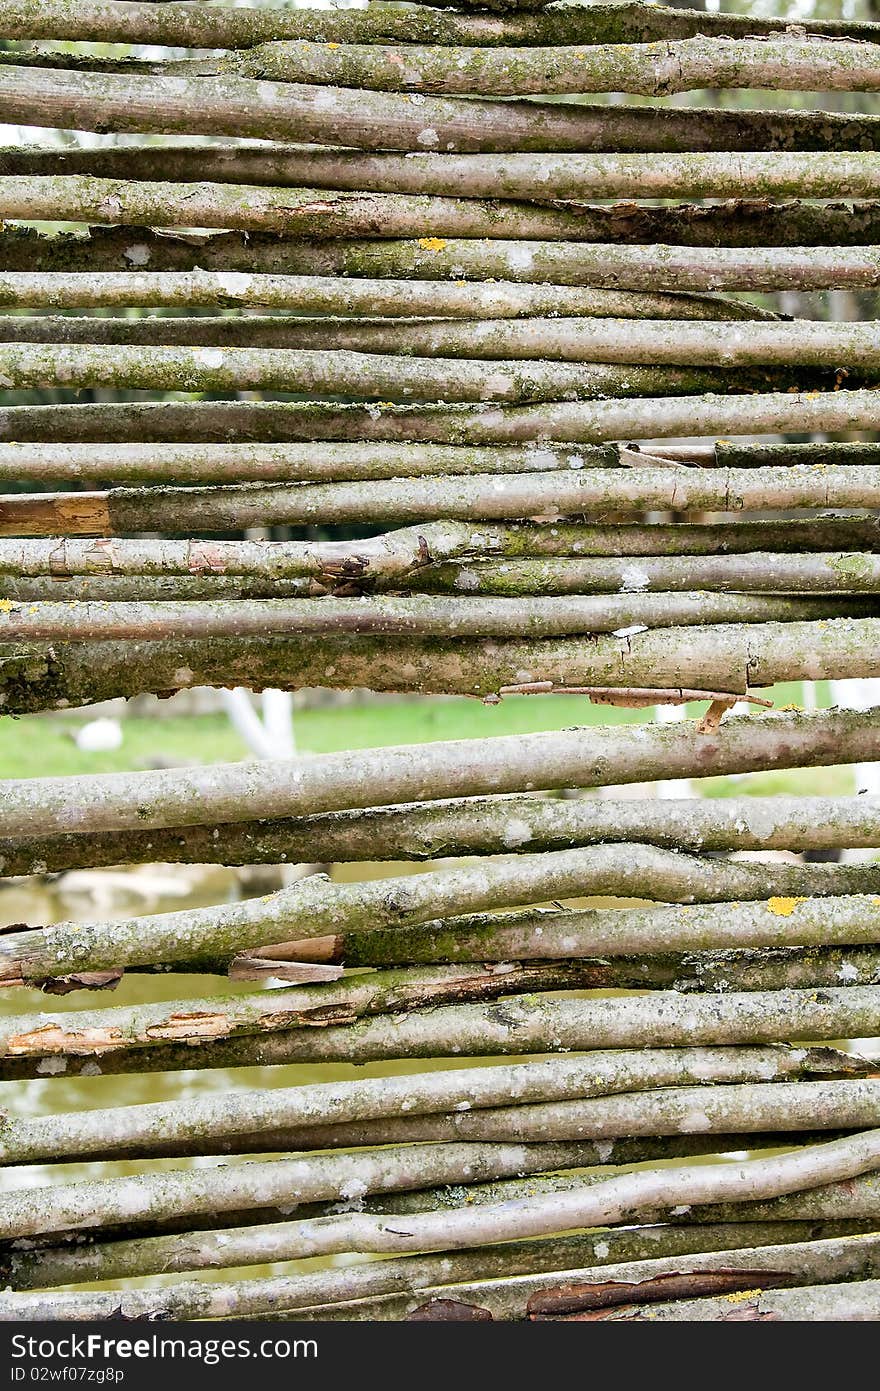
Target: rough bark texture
<point>611,481</point>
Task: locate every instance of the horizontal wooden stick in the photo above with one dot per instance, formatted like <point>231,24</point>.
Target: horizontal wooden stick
<point>728,659</point>
<point>841,1106</point>
<point>142,569</point>
<point>851,1207</point>
<point>73,366</point>
<point>179,1196</point>
<point>659,68</point>
<point>257,1245</point>
<point>242,107</point>
<point>730,222</point>
<point>646,1093</point>
<point>28,1040</point>
<point>189,26</point>
<point>100,1032</point>
<point>653,418</point>
<point>140,464</point>
<point>232,792</point>
<point>420,614</point>
<point>749,556</point>
<point>643,268</point>
<point>414,500</point>
<point>598,1204</point>
<point>291,211</point>
<point>185,1194</point>
<point>525,1024</point>
<point>316,294</point>
<point>622,267</point>
<point>660,342</point>
<point>316,908</point>
<point>488,825</point>
<point>780,922</point>
<point>855,1200</point>
<point>605,1288</point>
<point>753,573</point>
<point>226,104</point>
<point>565,340</point>
<point>649,69</point>
<point>31,1039</point>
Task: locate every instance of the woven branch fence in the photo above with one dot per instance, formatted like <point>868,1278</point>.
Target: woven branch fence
<point>536,352</point>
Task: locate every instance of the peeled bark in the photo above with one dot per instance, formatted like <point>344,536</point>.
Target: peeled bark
<point>523,1025</point>
<point>857,1302</point>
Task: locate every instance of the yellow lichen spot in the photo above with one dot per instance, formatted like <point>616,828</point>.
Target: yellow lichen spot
<point>432,243</point>
<point>784,907</point>
<point>739,1296</point>
<point>812,395</point>
<point>6,605</point>
<point>333,45</point>
<point>385,403</point>
<point>799,709</point>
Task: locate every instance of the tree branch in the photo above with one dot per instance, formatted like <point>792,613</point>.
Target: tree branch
<point>614,1200</point>
<point>580,423</point>
<point>662,1099</point>
<point>231,792</point>
<point>493,497</point>
<point>484,826</point>
<point>182,25</point>
<point>728,659</point>
<point>316,908</point>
